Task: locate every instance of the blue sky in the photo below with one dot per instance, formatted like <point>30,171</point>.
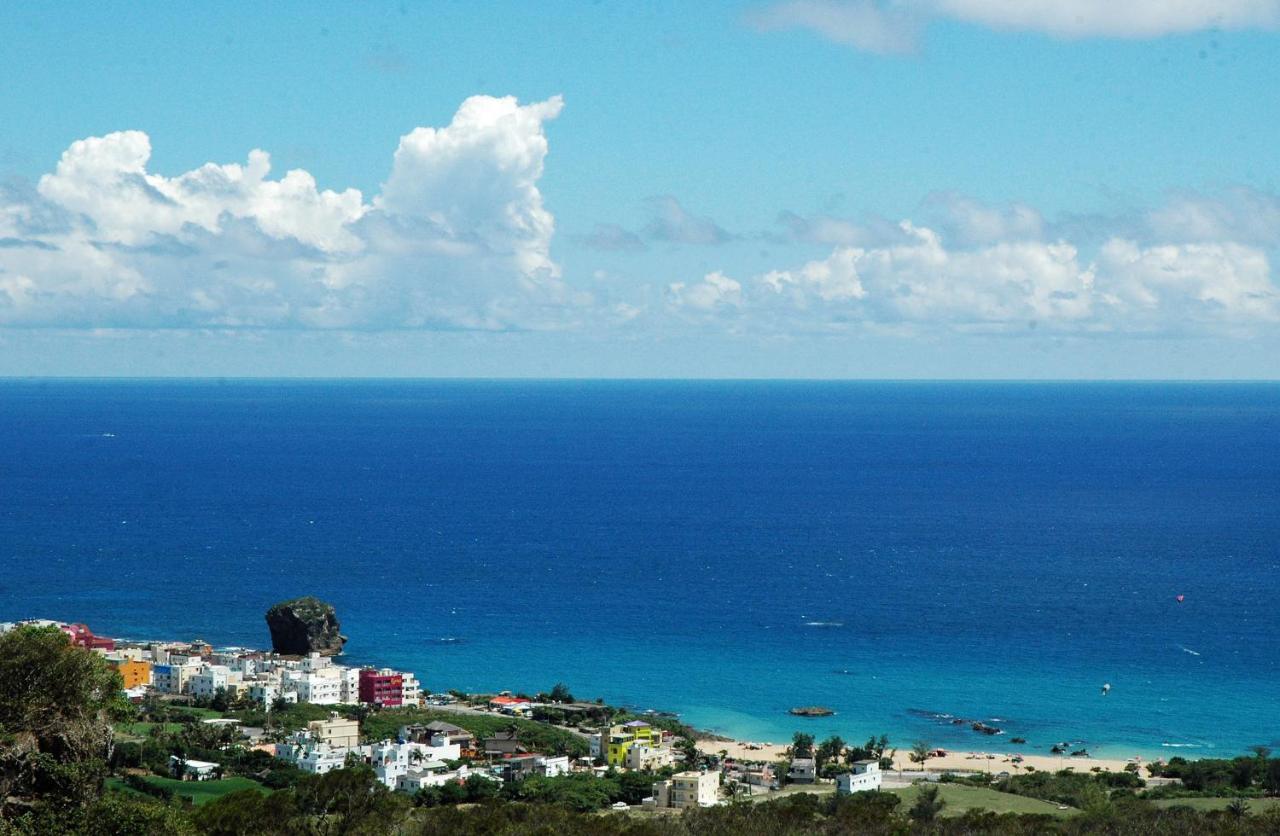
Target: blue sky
<point>807,188</point>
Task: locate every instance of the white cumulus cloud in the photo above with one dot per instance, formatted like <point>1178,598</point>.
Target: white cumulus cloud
<point>922,280</point>
<point>458,237</point>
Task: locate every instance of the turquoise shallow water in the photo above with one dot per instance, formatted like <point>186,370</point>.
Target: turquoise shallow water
<point>726,550</point>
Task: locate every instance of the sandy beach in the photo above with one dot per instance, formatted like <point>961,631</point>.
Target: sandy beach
<point>954,761</point>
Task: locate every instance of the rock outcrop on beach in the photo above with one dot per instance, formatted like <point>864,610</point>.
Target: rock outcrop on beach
<point>811,711</point>
<point>305,625</point>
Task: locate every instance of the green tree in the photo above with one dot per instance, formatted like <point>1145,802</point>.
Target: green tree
<point>1238,808</point>
<point>480,788</point>
<point>928,804</point>
<point>57,702</point>
<point>249,813</point>
<point>1271,778</point>
<point>802,745</point>
<point>1242,772</point>
<point>350,800</point>
<point>920,752</point>
<point>829,751</point>
<point>560,693</point>
<point>689,752</point>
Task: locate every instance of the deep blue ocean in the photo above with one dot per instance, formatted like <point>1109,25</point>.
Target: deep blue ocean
<point>895,551</point>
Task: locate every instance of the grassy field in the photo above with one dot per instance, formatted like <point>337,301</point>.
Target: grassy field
<point>1256,805</point>
<point>139,731</point>
<point>200,792</point>
<point>198,713</point>
<point>961,798</point>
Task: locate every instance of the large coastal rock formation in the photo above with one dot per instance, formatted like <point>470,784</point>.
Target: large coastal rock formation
<point>305,625</point>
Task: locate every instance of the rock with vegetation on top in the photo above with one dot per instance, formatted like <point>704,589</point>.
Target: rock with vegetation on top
<point>812,711</point>
<point>305,625</point>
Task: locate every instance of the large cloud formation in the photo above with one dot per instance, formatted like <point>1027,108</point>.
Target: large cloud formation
<point>888,26</point>
<point>1198,265</point>
<point>457,238</point>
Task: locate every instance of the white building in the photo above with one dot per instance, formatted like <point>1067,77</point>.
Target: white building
<point>319,687</point>
<point>348,685</point>
<point>210,679</point>
<point>803,771</point>
<point>191,770</point>
<point>315,662</point>
<point>430,774</point>
<point>264,691</point>
<point>865,777</point>
<point>311,755</point>
<point>554,766</point>
<point>410,690</point>
<point>641,757</point>
<point>688,789</point>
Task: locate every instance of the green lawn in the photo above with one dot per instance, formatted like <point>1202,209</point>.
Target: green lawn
<point>141,730</point>
<point>961,798</point>
<point>200,792</point>
<point>1256,805</point>
<point>198,713</point>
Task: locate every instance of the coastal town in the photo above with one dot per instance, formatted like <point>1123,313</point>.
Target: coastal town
<point>419,756</point>
<point>206,723</point>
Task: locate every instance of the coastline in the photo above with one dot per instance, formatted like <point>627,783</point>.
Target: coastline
<point>989,761</point>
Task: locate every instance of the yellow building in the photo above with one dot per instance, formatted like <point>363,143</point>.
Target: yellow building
<point>133,672</point>
<point>622,738</point>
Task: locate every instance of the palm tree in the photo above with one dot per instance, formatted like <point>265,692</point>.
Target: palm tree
<point>920,752</point>
<point>1238,808</point>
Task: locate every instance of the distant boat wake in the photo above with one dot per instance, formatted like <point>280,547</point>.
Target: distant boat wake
<point>1188,650</point>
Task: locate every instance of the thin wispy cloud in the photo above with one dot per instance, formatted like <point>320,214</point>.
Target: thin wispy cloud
<point>672,223</point>
<point>894,26</point>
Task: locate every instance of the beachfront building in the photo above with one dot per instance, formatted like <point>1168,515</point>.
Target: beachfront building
<point>410,690</point>
<point>82,636</point>
<point>755,775</point>
<point>641,757</point>
<point>622,738</point>
<point>337,731</point>
<point>803,771</point>
<point>864,777</point>
<point>383,688</point>
<point>348,685</point>
<point>688,789</point>
<point>318,687</point>
<point>516,706</point>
